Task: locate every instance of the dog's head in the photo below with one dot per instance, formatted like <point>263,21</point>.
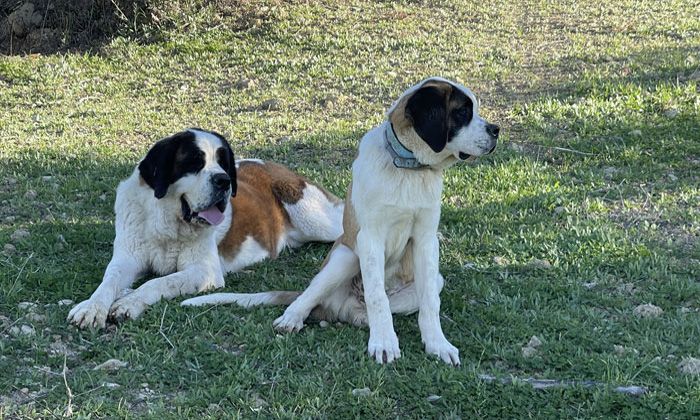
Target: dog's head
<point>195,167</point>
<point>439,120</point>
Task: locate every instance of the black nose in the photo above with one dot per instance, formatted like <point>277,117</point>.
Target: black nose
<point>221,181</point>
<point>492,130</point>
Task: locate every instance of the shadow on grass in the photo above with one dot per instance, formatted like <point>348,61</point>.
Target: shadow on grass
<point>56,26</point>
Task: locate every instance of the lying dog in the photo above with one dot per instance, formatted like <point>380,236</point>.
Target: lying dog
<point>390,224</point>
<point>173,219</point>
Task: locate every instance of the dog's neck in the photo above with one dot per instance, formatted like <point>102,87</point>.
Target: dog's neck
<point>401,156</point>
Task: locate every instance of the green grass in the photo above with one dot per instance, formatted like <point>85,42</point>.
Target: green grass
<point>617,213</point>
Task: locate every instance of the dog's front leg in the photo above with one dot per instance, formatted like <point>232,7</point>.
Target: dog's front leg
<point>383,343</point>
<point>194,279</point>
<point>428,286</point>
<point>121,273</point>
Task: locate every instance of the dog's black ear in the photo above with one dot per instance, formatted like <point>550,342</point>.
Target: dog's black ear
<point>157,167</point>
<point>427,110</point>
<point>227,161</point>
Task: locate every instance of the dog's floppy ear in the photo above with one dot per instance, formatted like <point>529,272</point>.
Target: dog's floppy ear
<point>157,167</point>
<point>227,161</point>
<point>427,111</point>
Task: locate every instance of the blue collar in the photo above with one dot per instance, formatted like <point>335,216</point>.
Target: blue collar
<point>401,156</point>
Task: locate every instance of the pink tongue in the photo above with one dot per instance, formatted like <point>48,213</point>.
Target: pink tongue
<point>212,215</point>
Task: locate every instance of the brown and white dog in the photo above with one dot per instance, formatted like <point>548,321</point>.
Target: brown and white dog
<point>387,259</point>
<point>173,219</point>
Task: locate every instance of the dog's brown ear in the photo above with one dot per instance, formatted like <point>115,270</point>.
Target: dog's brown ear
<point>427,111</point>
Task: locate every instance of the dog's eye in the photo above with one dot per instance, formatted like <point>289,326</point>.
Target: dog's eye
<point>222,158</point>
<point>462,114</point>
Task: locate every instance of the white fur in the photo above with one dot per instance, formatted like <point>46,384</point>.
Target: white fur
<point>393,206</point>
<point>151,237</point>
<point>250,252</point>
<point>315,214</point>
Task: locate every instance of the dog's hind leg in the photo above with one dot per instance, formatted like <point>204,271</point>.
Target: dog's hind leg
<point>341,265</point>
<point>316,216</point>
<point>403,301</point>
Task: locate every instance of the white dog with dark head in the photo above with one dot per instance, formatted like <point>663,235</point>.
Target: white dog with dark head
<point>189,214</point>
<point>386,261</point>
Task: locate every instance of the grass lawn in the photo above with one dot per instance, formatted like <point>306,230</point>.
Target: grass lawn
<point>589,208</point>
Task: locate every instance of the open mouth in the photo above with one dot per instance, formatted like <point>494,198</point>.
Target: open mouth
<point>212,215</point>
<point>464,156</point>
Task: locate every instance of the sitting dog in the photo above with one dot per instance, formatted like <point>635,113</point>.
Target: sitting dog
<point>190,214</point>
<point>386,261</point>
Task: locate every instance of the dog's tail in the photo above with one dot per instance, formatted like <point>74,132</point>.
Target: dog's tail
<point>245,300</point>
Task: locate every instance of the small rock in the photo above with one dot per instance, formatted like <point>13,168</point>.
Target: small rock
<point>671,113</point>
<point>244,83</point>
<point>111,365</point>
<point>9,249</point>
<point>628,288</point>
<point>323,324</point>
<point>537,263</point>
<point>502,261</point>
<point>143,384</point>
<point>610,171</point>
<point>10,219</point>
<point>361,392</point>
<point>619,350</point>
<point>26,306</point>
<point>46,178</point>
<point>528,351</point>
<point>65,302</point>
<point>19,234</point>
<point>690,366</point>
<point>30,195</point>
<point>36,317</point>
<point>433,398</point>
<point>103,197</point>
<point>111,385</point>
<point>24,390</point>
<point>648,311</point>
<point>590,285</point>
<point>270,105</point>
<point>534,342</point>
<point>685,310</point>
<point>23,330</point>
<point>635,133</point>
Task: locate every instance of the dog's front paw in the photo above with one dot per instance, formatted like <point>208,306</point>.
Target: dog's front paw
<point>384,346</point>
<point>289,322</point>
<point>127,307</point>
<point>88,313</point>
<point>444,350</point>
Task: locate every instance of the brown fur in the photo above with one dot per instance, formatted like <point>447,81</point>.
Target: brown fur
<point>261,190</point>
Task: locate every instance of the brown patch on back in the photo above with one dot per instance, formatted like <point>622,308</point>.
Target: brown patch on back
<point>257,206</point>
<point>256,211</point>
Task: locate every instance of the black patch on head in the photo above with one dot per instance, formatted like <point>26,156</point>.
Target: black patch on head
<point>436,117</point>
<point>427,110</point>
<point>225,159</point>
<point>461,114</point>
<point>169,160</point>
